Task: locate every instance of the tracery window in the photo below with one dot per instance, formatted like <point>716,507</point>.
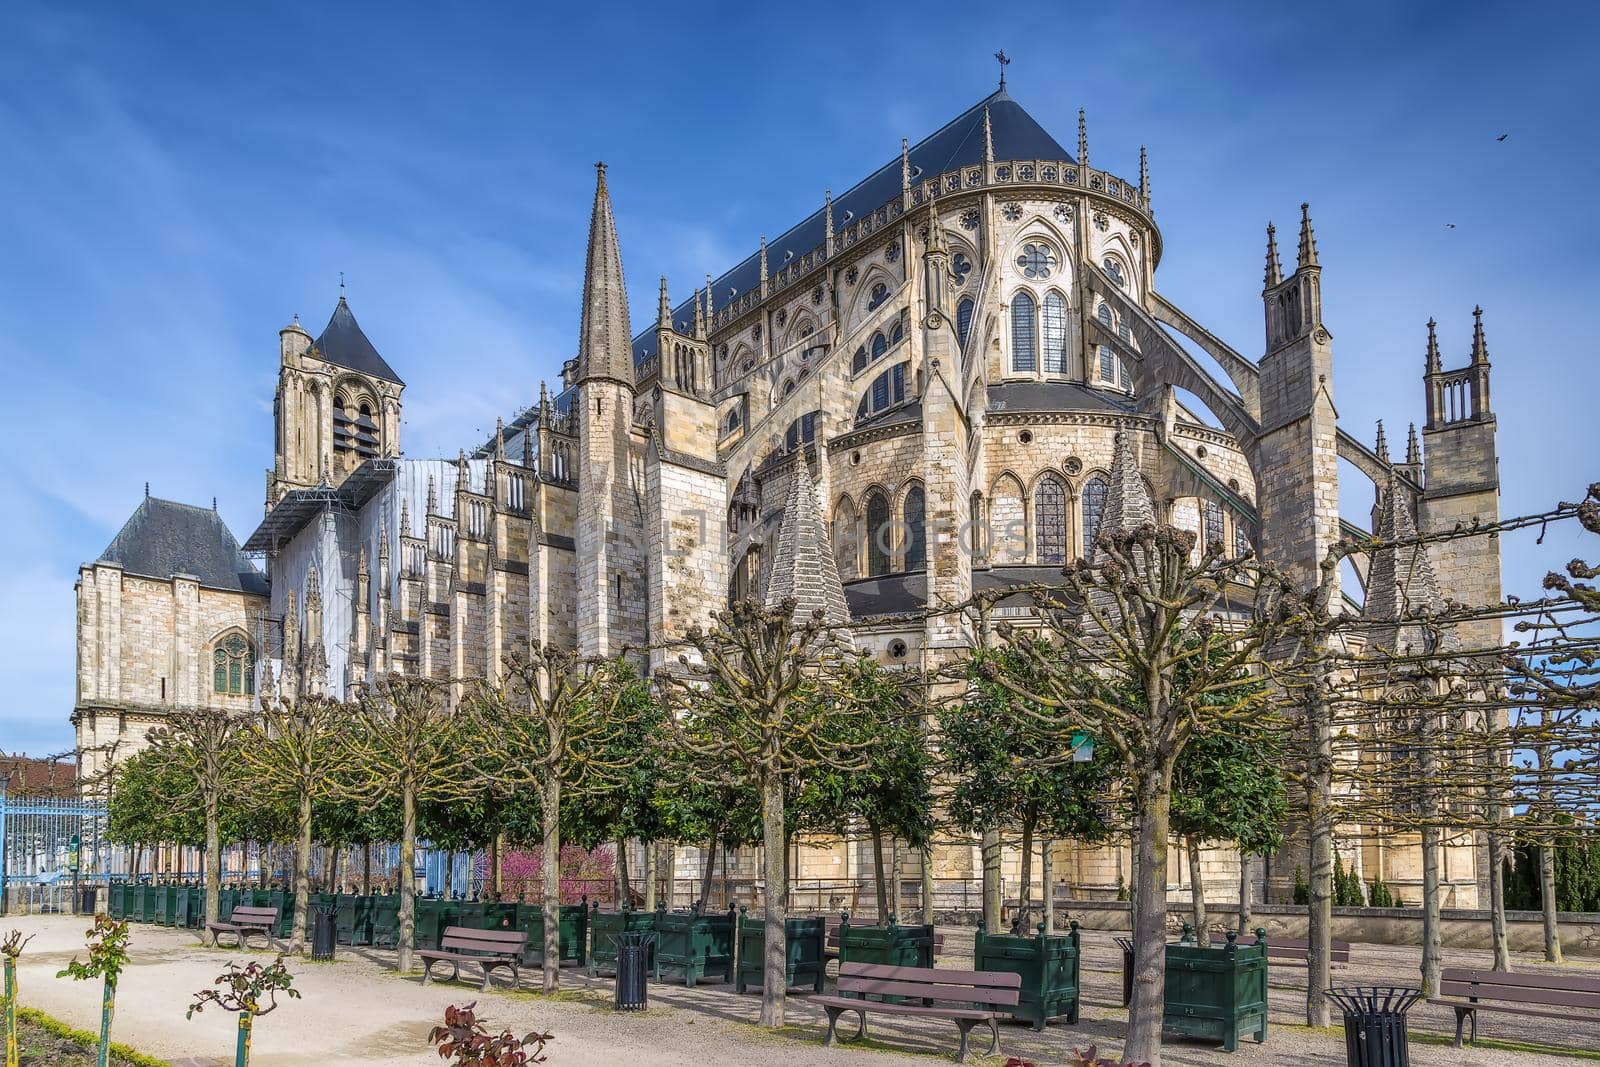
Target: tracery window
<point>1024,343</point>
<point>880,293</point>
<point>912,514</point>
<point>877,534</point>
<point>1113,270</point>
<point>1037,260</point>
<point>887,389</point>
<point>1050,520</point>
<point>964,319</point>
<point>1093,507</point>
<point>1213,522</point>
<point>961,266</point>
<point>233,667</point>
<point>1055,333</point>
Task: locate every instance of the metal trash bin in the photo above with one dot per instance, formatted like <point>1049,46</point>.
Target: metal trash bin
<point>88,897</point>
<point>1375,1024</point>
<point>633,974</point>
<point>322,933</point>
<point>1126,943</point>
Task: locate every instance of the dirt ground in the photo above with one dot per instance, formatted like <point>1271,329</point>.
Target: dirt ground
<point>357,1011</point>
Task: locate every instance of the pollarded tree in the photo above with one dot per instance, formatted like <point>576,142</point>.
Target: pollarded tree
<point>289,755</point>
<point>1004,775</point>
<point>202,747</point>
<point>552,723</point>
<point>892,792</point>
<point>404,743</point>
<point>1139,622</point>
<point>761,698</point>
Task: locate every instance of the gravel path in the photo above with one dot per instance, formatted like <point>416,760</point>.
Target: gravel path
<point>356,1011</point>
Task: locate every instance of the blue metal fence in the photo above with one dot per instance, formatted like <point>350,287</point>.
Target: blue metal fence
<point>48,847</point>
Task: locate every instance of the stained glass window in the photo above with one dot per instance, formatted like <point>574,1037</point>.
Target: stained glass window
<point>1050,520</point>
<point>961,266</point>
<point>233,667</point>
<point>916,532</point>
<point>964,320</point>
<point>1241,540</point>
<point>1094,506</point>
<point>880,345</point>
<point>1055,333</point>
<point>1108,359</point>
<point>1114,271</point>
<point>859,361</point>
<point>880,293</point>
<point>877,534</point>
<point>1024,344</point>
<point>897,333</point>
<point>1037,261</point>
<point>1213,521</point>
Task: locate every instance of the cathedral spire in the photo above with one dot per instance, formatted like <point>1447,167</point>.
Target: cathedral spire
<point>1274,268</point>
<point>664,307</point>
<point>905,163</point>
<point>1382,445</point>
<point>827,222</point>
<point>709,304</point>
<point>1308,240</point>
<point>1401,583</point>
<point>1480,348</point>
<point>1083,140</point>
<point>699,318</point>
<point>763,264</point>
<point>988,136</point>
<point>1144,176</point>
<point>405,517</point>
<point>499,439</point>
<point>433,497</point>
<point>1433,364</point>
<point>1128,504</point>
<point>605,343</point>
<point>1413,452</point>
<point>803,567</point>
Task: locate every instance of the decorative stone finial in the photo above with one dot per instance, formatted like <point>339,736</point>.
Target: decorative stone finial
<point>827,221</point>
<point>988,136</point>
<point>763,263</point>
<point>1413,451</point>
<point>1083,139</point>
<point>1382,446</point>
<point>1433,363</point>
<point>499,438</point>
<point>1308,240</point>
<point>905,162</point>
<point>1144,176</point>
<point>433,497</point>
<point>1480,348</point>
<point>664,306</point>
<point>1274,268</point>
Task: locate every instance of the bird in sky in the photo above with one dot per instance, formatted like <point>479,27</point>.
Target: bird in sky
<point>1449,225</point>
<point>1502,137</point>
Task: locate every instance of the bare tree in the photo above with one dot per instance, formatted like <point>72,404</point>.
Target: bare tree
<point>202,743</point>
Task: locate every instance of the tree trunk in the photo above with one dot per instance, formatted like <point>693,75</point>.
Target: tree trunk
<point>406,942</point>
<point>877,874</point>
<point>1047,871</point>
<point>896,876</point>
<point>1497,904</point>
<point>302,877</point>
<point>624,879</point>
<point>213,857</point>
<point>1319,830</point>
<point>1431,942</point>
<point>1547,902</point>
<point>670,890</point>
<point>927,883</point>
<point>366,869</point>
<point>1197,892</point>
<point>710,873</point>
<point>774,980</point>
<point>1025,894</point>
<point>551,816</point>
<point>651,851</point>
<point>1150,918</point>
<point>1245,895</point>
<point>993,890</point>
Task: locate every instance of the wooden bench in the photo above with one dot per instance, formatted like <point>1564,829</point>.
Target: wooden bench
<point>1546,996</point>
<point>243,922</point>
<point>1292,950</point>
<point>487,948</point>
<point>966,998</point>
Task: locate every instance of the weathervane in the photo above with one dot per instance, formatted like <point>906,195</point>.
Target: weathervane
<point>1004,62</point>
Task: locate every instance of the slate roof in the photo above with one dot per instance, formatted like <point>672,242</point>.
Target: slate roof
<point>342,343</point>
<point>162,538</point>
<point>803,569</point>
<point>1056,396</point>
<point>959,143</point>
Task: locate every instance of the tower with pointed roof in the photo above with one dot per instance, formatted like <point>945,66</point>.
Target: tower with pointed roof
<point>337,405</point>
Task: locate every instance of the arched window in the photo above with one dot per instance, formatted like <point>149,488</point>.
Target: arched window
<point>877,534</point>
<point>880,293</point>
<point>964,320</point>
<point>1055,333</point>
<point>1050,520</point>
<point>1241,539</point>
<point>961,266</point>
<point>746,576</point>
<point>233,667</point>
<point>1024,346</point>
<point>858,362</point>
<point>880,345</point>
<point>801,431</point>
<point>1094,506</point>
<point>1108,359</point>
<point>887,389</point>
<point>916,533</point>
<point>732,422</point>
<point>788,387</point>
<point>847,540</point>
<point>897,332</point>
<point>1213,523</point>
<point>1113,268</point>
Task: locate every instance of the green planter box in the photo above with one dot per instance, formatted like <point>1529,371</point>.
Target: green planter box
<point>697,945</point>
<point>147,903</point>
<point>433,916</point>
<point>284,902</point>
<point>498,916</point>
<point>1217,992</point>
<point>572,933</point>
<point>468,913</point>
<point>1048,966</point>
<point>352,919</point>
<point>804,942</point>
<point>227,900</point>
<point>893,945</point>
<point>166,905</point>
<point>117,904</point>
<point>385,920</point>
<point>606,929</point>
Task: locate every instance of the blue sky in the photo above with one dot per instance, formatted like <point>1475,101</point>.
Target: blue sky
<point>178,180</point>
